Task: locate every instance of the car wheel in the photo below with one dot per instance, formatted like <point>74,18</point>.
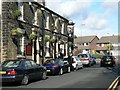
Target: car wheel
<point>101,65</point>
<point>25,80</point>
<point>76,67</point>
<point>44,75</point>
<point>82,67</point>
<point>68,69</point>
<point>89,65</point>
<point>61,71</point>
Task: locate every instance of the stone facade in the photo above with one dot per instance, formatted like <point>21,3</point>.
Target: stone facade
<point>35,19</point>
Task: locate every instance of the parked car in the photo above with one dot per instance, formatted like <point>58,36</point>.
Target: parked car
<point>77,63</point>
<point>86,59</point>
<point>21,70</point>
<point>107,61</point>
<point>57,66</point>
<point>70,61</point>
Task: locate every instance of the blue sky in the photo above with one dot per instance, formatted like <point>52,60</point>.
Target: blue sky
<point>91,17</point>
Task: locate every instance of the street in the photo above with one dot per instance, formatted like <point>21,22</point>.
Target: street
<point>88,77</point>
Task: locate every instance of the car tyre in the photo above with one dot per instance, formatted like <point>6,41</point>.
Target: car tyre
<point>76,67</point>
<point>61,71</point>
<point>69,70</point>
<point>89,65</point>
<point>25,80</point>
<point>101,65</point>
<point>82,67</point>
<point>44,75</point>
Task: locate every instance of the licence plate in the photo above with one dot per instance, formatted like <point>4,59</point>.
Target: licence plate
<point>48,70</point>
<point>2,72</point>
<point>107,62</point>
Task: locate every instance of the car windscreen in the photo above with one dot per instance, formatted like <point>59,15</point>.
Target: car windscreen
<point>12,63</point>
<point>49,62</point>
<point>108,57</point>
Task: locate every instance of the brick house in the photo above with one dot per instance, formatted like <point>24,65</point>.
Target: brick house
<point>105,43</point>
<point>86,44</point>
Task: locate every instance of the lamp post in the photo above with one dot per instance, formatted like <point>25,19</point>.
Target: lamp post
<point>81,34</point>
<point>108,44</point>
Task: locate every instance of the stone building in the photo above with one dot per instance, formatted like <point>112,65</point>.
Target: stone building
<point>31,30</point>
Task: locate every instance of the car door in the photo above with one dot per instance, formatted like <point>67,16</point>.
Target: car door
<point>79,63</point>
<point>29,70</point>
<point>37,69</point>
<point>66,65</point>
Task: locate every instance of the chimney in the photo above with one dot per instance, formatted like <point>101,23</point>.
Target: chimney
<point>42,2</point>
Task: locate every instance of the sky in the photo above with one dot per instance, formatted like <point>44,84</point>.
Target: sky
<point>91,17</point>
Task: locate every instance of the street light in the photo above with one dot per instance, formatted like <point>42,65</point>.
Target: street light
<point>81,33</point>
<point>108,44</point>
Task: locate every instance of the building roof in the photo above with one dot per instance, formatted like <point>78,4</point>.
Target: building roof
<point>84,39</point>
<point>107,39</point>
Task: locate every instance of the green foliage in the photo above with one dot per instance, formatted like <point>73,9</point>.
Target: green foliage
<point>62,42</point>
<point>17,13</point>
<point>110,47</point>
<point>16,32</point>
<point>47,38</point>
<point>70,44</point>
<point>74,36</point>
<point>52,40</point>
<point>32,36</point>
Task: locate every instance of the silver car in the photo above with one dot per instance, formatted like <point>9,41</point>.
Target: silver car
<point>77,63</point>
<point>86,59</point>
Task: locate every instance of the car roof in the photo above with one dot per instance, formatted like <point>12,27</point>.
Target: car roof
<point>17,59</point>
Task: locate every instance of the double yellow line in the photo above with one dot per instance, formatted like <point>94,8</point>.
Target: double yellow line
<point>114,84</point>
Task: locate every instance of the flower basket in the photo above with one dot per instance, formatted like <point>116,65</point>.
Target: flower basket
<point>32,36</point>
<point>74,36</point>
<point>47,38</point>
<point>16,32</point>
<point>17,13</point>
<point>70,44</point>
<point>62,42</point>
<point>52,40</point>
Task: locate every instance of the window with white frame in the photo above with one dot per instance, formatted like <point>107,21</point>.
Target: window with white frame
<point>21,8</point>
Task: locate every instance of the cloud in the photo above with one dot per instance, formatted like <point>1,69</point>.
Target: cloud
<point>111,6</point>
<point>95,22</point>
<point>68,7</point>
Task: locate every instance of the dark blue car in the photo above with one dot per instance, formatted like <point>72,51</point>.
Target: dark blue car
<point>57,66</point>
<point>21,70</point>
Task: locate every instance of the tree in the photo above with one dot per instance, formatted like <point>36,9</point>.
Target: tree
<point>110,47</point>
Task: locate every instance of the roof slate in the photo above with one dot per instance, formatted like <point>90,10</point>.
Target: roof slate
<point>84,39</point>
<point>111,39</point>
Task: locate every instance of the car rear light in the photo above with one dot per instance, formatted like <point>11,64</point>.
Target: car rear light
<point>84,59</point>
<point>55,66</point>
<point>12,72</point>
<point>113,60</point>
<point>74,61</point>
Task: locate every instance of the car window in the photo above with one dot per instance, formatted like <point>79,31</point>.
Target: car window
<point>49,62</point>
<point>13,63</point>
<point>33,63</point>
<point>77,59</point>
<point>83,56</point>
<point>28,64</point>
<point>107,57</point>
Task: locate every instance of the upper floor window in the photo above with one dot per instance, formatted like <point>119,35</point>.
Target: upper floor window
<point>21,8</point>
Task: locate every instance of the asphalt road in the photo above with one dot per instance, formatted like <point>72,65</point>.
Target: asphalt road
<point>88,77</point>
